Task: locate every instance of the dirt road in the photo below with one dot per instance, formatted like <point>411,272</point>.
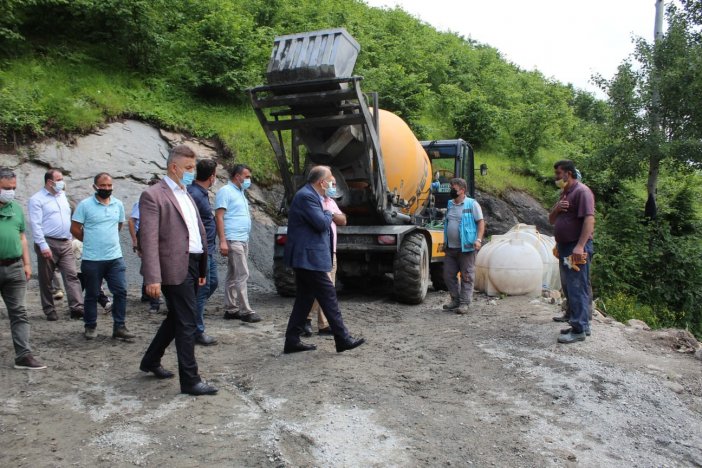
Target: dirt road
<point>429,388</point>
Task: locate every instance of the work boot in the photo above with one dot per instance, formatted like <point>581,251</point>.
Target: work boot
<point>77,314</point>
<point>463,309</point>
<point>571,337</point>
<point>454,304</point>
<point>122,333</point>
<point>565,331</point>
<point>52,316</point>
<point>90,333</point>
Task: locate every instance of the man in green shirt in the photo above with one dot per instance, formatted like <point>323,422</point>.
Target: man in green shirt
<point>15,269</point>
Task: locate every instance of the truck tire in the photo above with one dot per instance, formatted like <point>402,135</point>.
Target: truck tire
<point>283,278</point>
<point>411,269</point>
<point>437,276</point>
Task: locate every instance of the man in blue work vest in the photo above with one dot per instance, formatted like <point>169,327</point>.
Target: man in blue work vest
<point>464,227</point>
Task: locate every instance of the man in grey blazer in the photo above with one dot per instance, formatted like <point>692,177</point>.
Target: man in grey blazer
<point>173,247</point>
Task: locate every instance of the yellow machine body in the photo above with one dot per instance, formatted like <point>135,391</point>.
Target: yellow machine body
<point>407,167</point>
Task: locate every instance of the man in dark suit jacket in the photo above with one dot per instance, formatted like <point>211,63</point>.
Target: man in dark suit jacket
<point>308,251</point>
<point>173,247</point>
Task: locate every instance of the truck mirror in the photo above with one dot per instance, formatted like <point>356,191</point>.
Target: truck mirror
<point>483,169</point>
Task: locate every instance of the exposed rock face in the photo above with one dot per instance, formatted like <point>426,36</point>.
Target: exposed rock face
<point>515,207</point>
<point>133,152</point>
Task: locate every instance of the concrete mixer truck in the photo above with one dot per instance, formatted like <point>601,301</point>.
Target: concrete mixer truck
<point>392,188</point>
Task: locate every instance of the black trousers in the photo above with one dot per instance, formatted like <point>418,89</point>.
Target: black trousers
<point>179,324</point>
<point>313,285</point>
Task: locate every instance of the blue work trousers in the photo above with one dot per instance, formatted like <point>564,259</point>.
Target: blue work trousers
<point>576,286</point>
<point>206,291</point>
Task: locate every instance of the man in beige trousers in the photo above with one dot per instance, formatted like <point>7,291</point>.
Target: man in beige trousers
<point>233,220</point>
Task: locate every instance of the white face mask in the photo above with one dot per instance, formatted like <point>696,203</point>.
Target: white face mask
<point>59,185</point>
<point>6,196</point>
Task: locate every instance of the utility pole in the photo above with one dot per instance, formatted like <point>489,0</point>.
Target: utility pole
<point>655,136</point>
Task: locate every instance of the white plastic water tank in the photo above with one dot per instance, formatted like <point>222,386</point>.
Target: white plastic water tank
<point>544,245</point>
<point>514,268</point>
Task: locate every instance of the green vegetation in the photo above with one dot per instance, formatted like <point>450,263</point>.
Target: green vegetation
<point>67,66</point>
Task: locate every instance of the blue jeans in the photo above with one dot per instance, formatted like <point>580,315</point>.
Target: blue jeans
<point>577,287</point>
<point>113,271</point>
<point>205,292</point>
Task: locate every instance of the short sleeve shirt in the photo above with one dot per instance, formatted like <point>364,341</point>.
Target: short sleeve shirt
<point>100,228</point>
<point>569,224</point>
<point>237,218</point>
<point>453,217</point>
<point>135,215</point>
<point>12,224</point>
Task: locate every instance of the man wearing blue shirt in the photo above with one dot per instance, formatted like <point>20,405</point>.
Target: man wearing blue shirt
<point>233,227</point>
<point>204,180</point>
<point>97,221</point>
<point>50,219</point>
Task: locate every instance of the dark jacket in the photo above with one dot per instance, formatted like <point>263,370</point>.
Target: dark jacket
<point>309,233</point>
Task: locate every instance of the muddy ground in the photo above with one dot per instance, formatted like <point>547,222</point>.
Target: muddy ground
<point>429,388</point>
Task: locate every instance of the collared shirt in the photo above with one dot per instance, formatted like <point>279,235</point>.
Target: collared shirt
<point>202,202</point>
<point>11,226</point>
<point>237,219</point>
<point>188,209</point>
<point>100,228</point>
<point>135,215</point>
<point>49,216</point>
<point>569,224</point>
<point>329,204</point>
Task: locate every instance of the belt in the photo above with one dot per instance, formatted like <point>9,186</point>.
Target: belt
<point>195,255</point>
<point>56,238</point>
<point>9,261</point>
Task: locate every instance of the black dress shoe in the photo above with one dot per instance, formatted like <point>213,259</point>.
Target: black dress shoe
<point>348,343</point>
<point>327,331</point>
<point>200,388</point>
<point>158,371</point>
<point>297,347</point>
<point>205,339</point>
<point>307,329</point>
<point>561,318</point>
<point>232,315</point>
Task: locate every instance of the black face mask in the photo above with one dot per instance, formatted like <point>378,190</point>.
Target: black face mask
<point>453,193</point>
<point>103,193</point>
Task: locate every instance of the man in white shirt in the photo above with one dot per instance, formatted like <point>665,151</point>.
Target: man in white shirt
<point>50,220</point>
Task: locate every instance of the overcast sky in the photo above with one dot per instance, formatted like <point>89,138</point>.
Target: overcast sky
<point>568,40</point>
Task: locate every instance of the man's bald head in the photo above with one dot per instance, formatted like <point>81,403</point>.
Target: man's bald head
<point>318,173</point>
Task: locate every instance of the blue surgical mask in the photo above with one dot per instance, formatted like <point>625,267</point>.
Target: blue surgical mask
<point>330,191</point>
<point>187,178</point>
<point>246,184</point>
<point>59,185</point>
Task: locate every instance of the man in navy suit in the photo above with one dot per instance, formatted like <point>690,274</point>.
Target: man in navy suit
<point>308,251</point>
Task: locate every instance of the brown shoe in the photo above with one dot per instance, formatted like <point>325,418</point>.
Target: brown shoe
<point>122,333</point>
<point>462,309</point>
<point>52,316</point>
<point>28,362</point>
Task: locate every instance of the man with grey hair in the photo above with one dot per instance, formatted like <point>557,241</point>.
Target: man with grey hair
<point>15,270</point>
<point>50,219</point>
<point>463,236</point>
<point>174,258</point>
<point>308,251</point>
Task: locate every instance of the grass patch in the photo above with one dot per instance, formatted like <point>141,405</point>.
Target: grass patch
<point>57,96</point>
